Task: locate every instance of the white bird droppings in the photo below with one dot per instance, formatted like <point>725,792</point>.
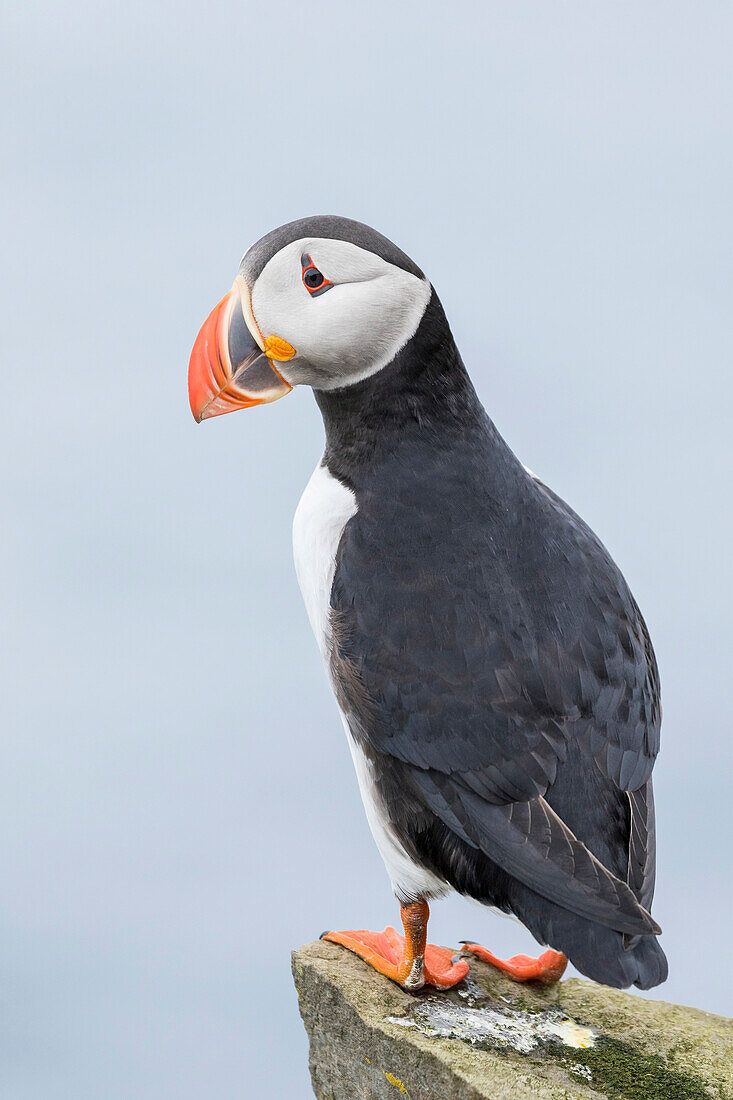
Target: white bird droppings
<point>522,1031</point>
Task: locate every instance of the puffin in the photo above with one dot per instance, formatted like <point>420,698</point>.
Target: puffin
<point>494,675</point>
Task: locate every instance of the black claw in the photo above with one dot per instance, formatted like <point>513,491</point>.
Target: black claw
<point>324,934</point>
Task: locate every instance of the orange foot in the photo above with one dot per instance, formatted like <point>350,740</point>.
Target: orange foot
<point>548,968</point>
<point>408,960</point>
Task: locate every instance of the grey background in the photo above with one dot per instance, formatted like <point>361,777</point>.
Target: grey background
<point>178,807</point>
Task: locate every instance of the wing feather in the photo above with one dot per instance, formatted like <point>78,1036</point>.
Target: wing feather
<point>531,842</point>
<point>475,651</point>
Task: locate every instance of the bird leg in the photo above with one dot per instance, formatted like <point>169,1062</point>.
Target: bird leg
<point>548,968</point>
<point>409,960</point>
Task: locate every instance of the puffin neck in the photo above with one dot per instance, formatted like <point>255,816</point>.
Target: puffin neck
<point>425,391</point>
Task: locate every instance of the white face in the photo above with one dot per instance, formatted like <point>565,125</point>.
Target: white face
<point>348,330</point>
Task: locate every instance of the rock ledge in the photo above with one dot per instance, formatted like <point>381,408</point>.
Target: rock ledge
<point>491,1038</point>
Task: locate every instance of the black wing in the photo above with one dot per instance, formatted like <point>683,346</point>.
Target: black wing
<point>472,644</point>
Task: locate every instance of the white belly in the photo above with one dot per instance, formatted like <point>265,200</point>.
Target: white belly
<point>325,508</point>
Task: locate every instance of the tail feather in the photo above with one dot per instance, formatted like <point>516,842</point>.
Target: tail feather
<point>599,953</point>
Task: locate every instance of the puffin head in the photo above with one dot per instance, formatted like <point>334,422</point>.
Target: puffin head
<point>323,302</point>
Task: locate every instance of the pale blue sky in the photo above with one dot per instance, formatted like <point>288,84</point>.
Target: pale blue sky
<point>177,803</point>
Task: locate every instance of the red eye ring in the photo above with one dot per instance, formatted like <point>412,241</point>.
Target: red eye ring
<point>314,281</point>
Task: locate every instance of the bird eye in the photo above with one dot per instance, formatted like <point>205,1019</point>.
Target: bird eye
<point>314,281</point>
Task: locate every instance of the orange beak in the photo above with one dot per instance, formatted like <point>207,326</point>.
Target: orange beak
<point>229,369</point>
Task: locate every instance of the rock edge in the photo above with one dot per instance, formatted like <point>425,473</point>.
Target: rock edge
<point>490,1037</point>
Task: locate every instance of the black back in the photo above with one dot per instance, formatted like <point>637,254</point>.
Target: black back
<point>493,665</point>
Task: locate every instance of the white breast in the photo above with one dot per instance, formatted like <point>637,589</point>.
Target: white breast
<point>325,508</point>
